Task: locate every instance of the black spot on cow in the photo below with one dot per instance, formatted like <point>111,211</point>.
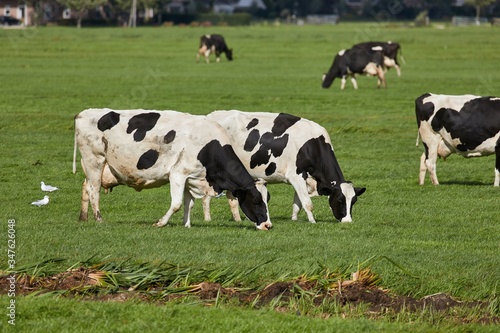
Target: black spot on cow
<point>477,121</point>
<point>141,124</point>
<point>282,122</point>
<point>269,145</point>
<point>252,140</point>
<point>108,121</point>
<point>278,145</point>
<point>260,157</point>
<point>252,123</point>
<point>271,168</point>
<point>169,137</point>
<point>148,159</point>
<point>424,111</point>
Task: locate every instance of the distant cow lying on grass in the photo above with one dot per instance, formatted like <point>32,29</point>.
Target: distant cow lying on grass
<point>466,125</point>
<point>355,61</point>
<point>148,148</point>
<point>213,44</point>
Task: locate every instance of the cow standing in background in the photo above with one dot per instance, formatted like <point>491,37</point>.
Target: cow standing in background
<point>388,49</point>
<point>148,148</point>
<point>355,61</point>
<point>282,148</point>
<point>216,44</point>
<point>466,125</point>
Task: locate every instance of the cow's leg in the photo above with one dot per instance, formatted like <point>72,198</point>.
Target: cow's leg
<point>423,169</point>
<point>381,77</point>
<point>207,54</point>
<point>217,56</point>
<point>233,204</point>
<point>84,211</point>
<point>431,161</point>
<point>342,83</point>
<point>497,165</point>
<point>188,206</point>
<point>354,82</point>
<point>300,187</point>
<point>201,51</point>
<point>206,207</point>
<point>177,186</point>
<point>93,171</point>
<point>398,69</point>
<point>297,206</point>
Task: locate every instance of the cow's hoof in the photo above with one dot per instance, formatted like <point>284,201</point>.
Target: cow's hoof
<point>265,226</point>
<point>158,224</point>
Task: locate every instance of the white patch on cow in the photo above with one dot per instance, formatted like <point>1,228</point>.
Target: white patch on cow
<point>495,99</point>
<point>354,82</point>
<point>388,62</point>
<point>349,193</point>
<point>208,36</point>
<point>371,69</point>
<point>455,102</point>
<point>342,83</point>
<point>341,52</point>
<point>377,48</point>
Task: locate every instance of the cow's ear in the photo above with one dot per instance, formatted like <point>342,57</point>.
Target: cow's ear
<point>359,190</point>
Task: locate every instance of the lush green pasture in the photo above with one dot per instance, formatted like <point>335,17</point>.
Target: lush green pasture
<point>447,236</point>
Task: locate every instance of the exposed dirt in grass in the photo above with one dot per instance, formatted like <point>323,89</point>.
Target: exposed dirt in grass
<point>84,283</point>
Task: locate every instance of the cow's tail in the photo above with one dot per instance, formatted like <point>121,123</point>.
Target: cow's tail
<point>74,156</point>
<point>418,138</point>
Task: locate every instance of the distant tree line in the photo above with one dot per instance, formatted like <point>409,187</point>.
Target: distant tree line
<point>122,10</point>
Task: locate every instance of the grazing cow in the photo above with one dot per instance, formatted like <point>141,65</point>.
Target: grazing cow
<point>467,125</point>
<point>282,148</point>
<point>147,148</point>
<point>389,50</point>
<point>213,43</point>
<point>355,61</point>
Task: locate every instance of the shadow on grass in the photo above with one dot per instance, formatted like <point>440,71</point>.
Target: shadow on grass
<point>467,183</point>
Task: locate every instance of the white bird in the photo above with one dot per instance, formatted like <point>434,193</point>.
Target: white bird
<point>42,202</point>
<point>48,188</point>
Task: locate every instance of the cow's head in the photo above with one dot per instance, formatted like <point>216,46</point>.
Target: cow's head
<point>229,54</point>
<point>341,200</point>
<point>334,71</point>
<point>253,203</point>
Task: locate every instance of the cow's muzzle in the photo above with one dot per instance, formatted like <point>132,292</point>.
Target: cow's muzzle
<point>265,226</point>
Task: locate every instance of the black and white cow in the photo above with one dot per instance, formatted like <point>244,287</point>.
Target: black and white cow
<point>148,148</point>
<point>467,125</point>
<point>216,44</point>
<point>282,148</point>
<point>389,50</point>
<point>355,61</point>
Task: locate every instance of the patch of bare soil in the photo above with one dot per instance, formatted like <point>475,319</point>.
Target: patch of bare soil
<point>84,282</point>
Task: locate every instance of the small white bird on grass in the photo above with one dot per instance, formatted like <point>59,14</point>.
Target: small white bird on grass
<point>42,202</point>
<point>48,188</point>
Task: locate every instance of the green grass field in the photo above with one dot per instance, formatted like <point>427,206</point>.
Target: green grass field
<point>447,237</point>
